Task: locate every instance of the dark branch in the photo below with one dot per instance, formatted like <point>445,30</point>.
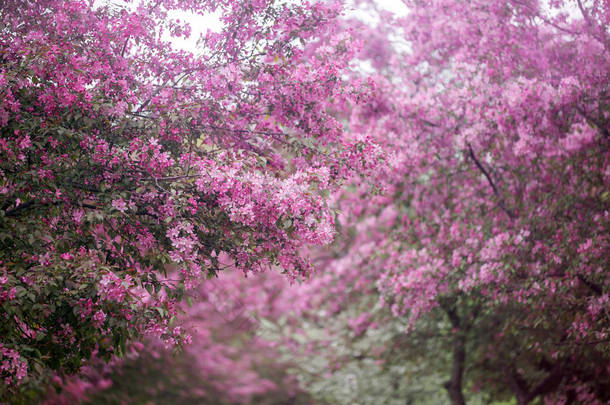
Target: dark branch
<point>594,287</point>
<point>491,182</point>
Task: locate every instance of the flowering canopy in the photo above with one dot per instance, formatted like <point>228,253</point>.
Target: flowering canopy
<point>491,231</point>
<point>128,166</point>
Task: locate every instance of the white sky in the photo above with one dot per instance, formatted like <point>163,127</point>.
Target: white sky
<point>395,6</point>
<point>200,24</point>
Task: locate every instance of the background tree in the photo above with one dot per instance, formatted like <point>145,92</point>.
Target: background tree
<point>490,231</point>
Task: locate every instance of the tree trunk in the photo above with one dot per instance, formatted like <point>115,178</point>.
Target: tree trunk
<point>524,394</point>
<point>454,385</point>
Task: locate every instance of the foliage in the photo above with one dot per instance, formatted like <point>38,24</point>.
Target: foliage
<point>227,362</point>
<point>128,166</point>
<point>492,221</point>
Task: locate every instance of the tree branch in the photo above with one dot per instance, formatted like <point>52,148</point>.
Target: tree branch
<point>491,182</point>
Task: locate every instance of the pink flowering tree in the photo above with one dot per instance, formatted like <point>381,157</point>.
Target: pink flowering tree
<point>486,235</point>
<point>129,166</point>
